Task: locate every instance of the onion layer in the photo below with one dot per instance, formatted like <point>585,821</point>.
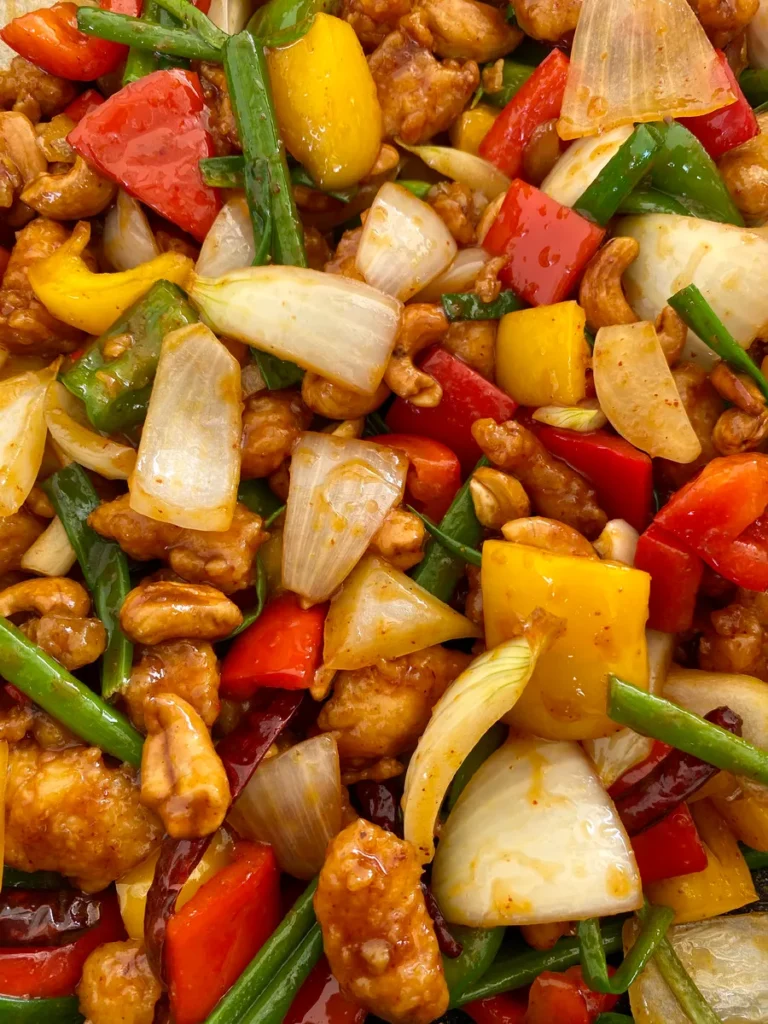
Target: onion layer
<point>128,238</point>
<point>22,435</point>
<point>342,329</point>
<point>757,38</point>
<point>534,838</point>
<point>71,429</point>
<point>581,163</point>
<point>459,277</point>
<point>229,243</point>
<point>340,492</point>
<point>51,554</point>
<point>466,168</point>
<point>188,466</point>
<point>617,542</point>
<point>583,418</point>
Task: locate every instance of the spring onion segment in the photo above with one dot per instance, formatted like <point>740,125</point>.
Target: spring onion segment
<point>342,329</point>
<point>340,493</point>
<point>229,244</point>
<point>71,429</point>
<point>188,466</point>
<point>473,702</point>
<point>51,554</point>
<point>22,435</point>
<point>380,612</point>
<point>466,168</point>
<point>638,394</point>
<point>639,60</point>
<point>581,163</point>
<point>583,418</point>
<point>404,244</point>
<point>128,239</point>
<point>534,838</point>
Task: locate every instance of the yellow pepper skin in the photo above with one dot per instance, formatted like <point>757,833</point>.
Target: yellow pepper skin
<point>70,291</point>
<point>133,887</point>
<point>469,130</point>
<point>604,606</point>
<point>326,103</point>
<point>724,885</point>
<point>745,814</point>
<point>542,355</point>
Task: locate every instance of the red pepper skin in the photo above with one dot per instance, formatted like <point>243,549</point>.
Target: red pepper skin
<point>214,936</point>
<point>621,475</point>
<point>434,473</point>
<point>671,847</point>
<point>466,397</point>
<point>565,999</point>
<point>320,1001</point>
<point>84,104</point>
<point>727,127</point>
<point>539,100</point>
<point>675,573</point>
<point>283,648</point>
<point>547,245</point>
<point>149,138</point>
<point>508,1008</point>
<point>51,971</point>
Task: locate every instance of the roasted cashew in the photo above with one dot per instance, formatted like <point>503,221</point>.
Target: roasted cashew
<point>601,295</point>
<point>423,324</point>
<point>182,777</point>
<point>165,610</point>
<point>81,192</point>
<point>336,402</point>
<point>737,388</point>
<point>11,182</point>
<point>497,497</point>
<point>399,539</point>
<point>55,596</point>
<point>549,534</point>
<point>19,142</point>
<point>52,139</point>
<point>737,431</point>
<point>672,334</point>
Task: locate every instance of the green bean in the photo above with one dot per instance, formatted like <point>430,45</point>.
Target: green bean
<point>273,1004</point>
<point>64,1010</point>
<point>65,698</point>
<point>481,751</point>
<point>471,555</point>
<point>104,567</point>
<point>122,28</point>
<point>593,962</point>
<point>195,20</point>
<point>479,947</point>
<point>140,63</point>
<point>469,306</point>
<point>301,176</point>
<point>223,171</point>
<point>754,85</point>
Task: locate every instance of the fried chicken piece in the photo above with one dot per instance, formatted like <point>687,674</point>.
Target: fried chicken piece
<point>221,118</point>
<point>704,406</point>
<point>17,533</point>
<point>723,20</point>
<point>186,668</point>
<point>30,90</point>
<point>735,639</point>
<point>272,423</point>
<point>373,20</point>
<point>550,20</point>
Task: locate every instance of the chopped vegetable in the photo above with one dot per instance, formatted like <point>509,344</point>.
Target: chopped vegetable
<point>467,168</point>
<point>52,553</point>
<point>726,128</point>
<point>468,306</point>
<point>471,555</point>
<point>229,245</point>
<point>40,1011</point>
<point>128,239</point>
<point>434,472</point>
<point>22,435</point>
<point>69,427</point>
<point>471,127</point>
<point>581,163</point>
<point>320,999</point>
<point>593,962</point>
<point>144,35</point>
<point>616,180</point>
<point>462,273</point>
<point>675,573</point>
<point>583,418</point>
<point>671,847</point>
<point>40,918</point>
<point>85,102</point>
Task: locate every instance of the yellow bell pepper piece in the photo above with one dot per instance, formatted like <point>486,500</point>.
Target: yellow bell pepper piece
<point>469,130</point>
<point>604,606</point>
<point>326,102</point>
<point>724,885</point>
<point>542,355</point>
<point>746,814</point>
<point>133,887</point>
<point>72,293</point>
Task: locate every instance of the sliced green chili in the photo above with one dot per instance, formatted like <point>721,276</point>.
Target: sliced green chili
<point>479,947</point>
<point>469,306</point>
<point>662,720</point>
<point>618,178</point>
<point>471,555</point>
<point>195,20</point>
<point>104,567</point>
<point>697,313</point>
<point>15,879</point>
<point>648,200</point>
<point>65,698</point>
<point>418,188</point>
<point>481,751</point>
<point>122,28</point>
<point>281,22</point>
<point>594,965</point>
<point>64,1010</point>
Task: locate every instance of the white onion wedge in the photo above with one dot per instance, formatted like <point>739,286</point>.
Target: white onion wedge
<point>71,429</point>
<point>128,238</point>
<point>404,244</point>
<point>379,612</point>
<point>617,542</point>
<point>639,60</point>
<point>342,329</point>
<point>51,554</point>
<point>340,492</point>
<point>466,168</point>
<point>582,418</point>
<point>534,838</point>
<point>638,394</point>
<point>475,701</point>
<point>581,163</point>
<point>188,465</point>
<point>229,243</point>
<point>459,277</point>
<point>22,435</point>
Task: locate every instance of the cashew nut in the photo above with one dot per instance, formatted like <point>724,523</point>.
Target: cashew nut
<point>737,431</point>
<point>549,534</point>
<point>497,497</point>
<point>601,295</point>
<point>348,429</point>
<point>182,777</point>
<point>19,142</point>
<point>11,182</point>
<point>672,334</point>
<point>399,539</point>
<point>737,388</point>
<point>80,192</point>
<point>55,596</point>
<point>474,342</point>
<point>422,324</point>
<point>52,139</point>
<point>71,640</point>
<point>165,610</point>
<point>337,402</point>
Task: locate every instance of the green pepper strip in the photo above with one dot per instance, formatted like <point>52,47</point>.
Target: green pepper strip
<point>517,970</point>
<point>281,22</point>
<point>697,313</point>
<point>513,78</point>
<point>756,860</point>
<point>15,879</point>
<point>754,85</point>
<point>471,555</point>
<point>195,20</point>
<point>65,698</point>
<point>64,1010</point>
<point>648,200</point>
<point>417,188</point>
<point>481,751</point>
<point>122,28</point>
<point>277,951</point>
<point>104,567</point>
<point>261,596</point>
<point>593,962</point>
<point>468,306</point>
<point>662,720</point>
<point>618,178</point>
<point>479,947</point>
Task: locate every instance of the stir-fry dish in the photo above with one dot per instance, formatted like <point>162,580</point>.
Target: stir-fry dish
<point>384,512</point>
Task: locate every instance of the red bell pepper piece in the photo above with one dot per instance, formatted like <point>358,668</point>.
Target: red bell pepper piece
<point>466,397</point>
<point>675,572</point>
<point>539,100</point>
<point>150,137</point>
<point>565,999</point>
<point>621,475</point>
<point>48,972</point>
<point>726,127</point>
<point>51,39</point>
<point>283,648</point>
<point>84,104</point>
<point>320,1001</point>
<point>434,472</point>
<point>219,931</point>
<point>4,258</point>
<point>671,847</point>
<point>547,245</point>
<point>507,1008</point>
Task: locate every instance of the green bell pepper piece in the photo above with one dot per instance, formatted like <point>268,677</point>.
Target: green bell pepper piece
<point>625,170</point>
<point>281,22</point>
<point>40,1011</point>
<point>479,947</point>
<point>648,200</point>
<point>468,306</point>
